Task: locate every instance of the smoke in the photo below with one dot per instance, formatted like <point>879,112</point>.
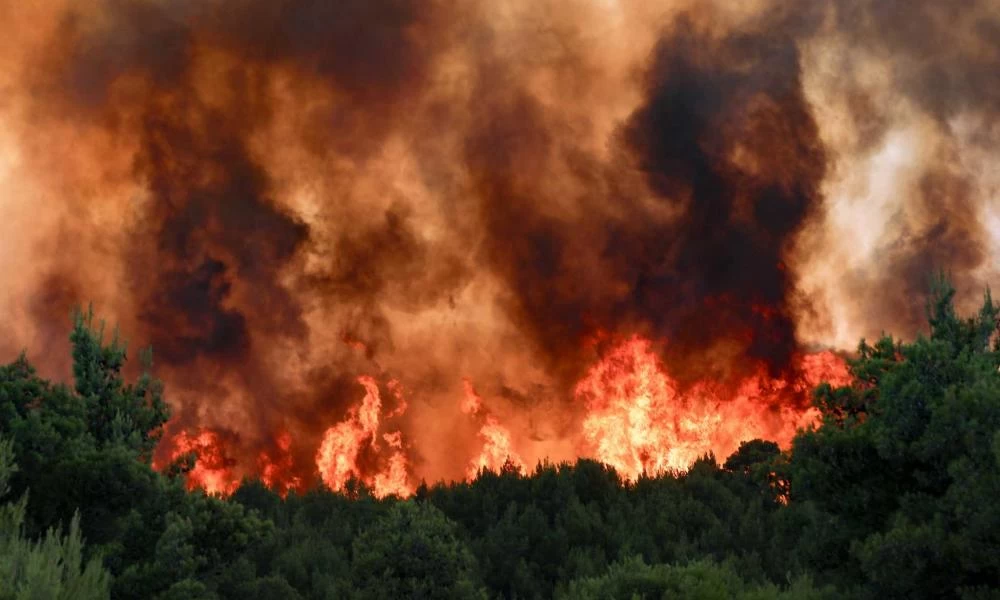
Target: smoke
<point>281,197</point>
<point>726,139</point>
<point>905,94</point>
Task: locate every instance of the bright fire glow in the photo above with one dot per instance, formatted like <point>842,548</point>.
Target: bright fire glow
<point>636,418</point>
<point>347,442</point>
<point>639,421</point>
<point>212,470</point>
<point>275,469</point>
<point>497,447</point>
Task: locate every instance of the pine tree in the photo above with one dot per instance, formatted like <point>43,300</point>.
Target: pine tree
<point>117,413</point>
<point>52,567</point>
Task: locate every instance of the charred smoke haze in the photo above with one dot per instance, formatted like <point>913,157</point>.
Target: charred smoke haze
<point>282,197</point>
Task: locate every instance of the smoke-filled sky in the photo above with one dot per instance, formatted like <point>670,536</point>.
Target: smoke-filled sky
<point>282,196</point>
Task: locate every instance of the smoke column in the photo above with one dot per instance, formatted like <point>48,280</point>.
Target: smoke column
<point>334,219</point>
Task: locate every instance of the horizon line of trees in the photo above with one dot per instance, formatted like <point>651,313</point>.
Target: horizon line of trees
<point>893,495</point>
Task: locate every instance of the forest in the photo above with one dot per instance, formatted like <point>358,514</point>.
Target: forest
<point>893,495</point>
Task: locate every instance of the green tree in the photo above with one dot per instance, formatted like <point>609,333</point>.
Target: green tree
<point>413,552</point>
<point>902,474</point>
<point>702,580</point>
<point>89,448</point>
<point>51,568</point>
<point>129,414</point>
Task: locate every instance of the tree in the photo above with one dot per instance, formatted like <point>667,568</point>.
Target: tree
<point>902,473</point>
<point>129,414</point>
<point>413,552</point>
<point>701,580</point>
<point>52,567</point>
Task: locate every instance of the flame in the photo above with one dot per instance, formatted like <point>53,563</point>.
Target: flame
<point>212,471</point>
<point>344,444</point>
<point>823,366</point>
<point>401,404</point>
<point>394,479</point>
<point>639,421</point>
<point>471,402</point>
<point>498,450</point>
<point>276,468</point>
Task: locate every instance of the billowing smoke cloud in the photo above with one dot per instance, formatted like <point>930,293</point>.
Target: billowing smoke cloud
<point>281,197</point>
<point>906,96</point>
<point>730,163</point>
<point>726,138</point>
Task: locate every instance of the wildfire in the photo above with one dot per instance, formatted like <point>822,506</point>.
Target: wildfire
<point>497,447</point>
<point>639,421</point>
<point>346,443</point>
<point>637,418</point>
<point>394,479</point>
<point>275,469</point>
<point>366,188</point>
<point>212,470</point>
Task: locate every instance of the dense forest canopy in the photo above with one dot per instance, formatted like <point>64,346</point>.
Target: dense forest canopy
<point>892,495</point>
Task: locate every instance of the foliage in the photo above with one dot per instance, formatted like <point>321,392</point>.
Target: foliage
<point>903,489</point>
<point>413,552</point>
<point>126,414</point>
<point>52,567</point>
<point>701,580</point>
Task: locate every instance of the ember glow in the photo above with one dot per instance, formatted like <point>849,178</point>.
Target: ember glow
<point>402,240</point>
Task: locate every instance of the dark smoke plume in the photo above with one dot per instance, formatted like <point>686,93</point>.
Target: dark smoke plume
<point>726,142</point>
<point>206,260</point>
<point>726,138</point>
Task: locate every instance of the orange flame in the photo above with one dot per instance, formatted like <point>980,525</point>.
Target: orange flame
<point>394,480</point>
<point>275,470</point>
<point>639,421</point>
<point>344,443</point>
<point>212,471</point>
<point>498,450</point>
